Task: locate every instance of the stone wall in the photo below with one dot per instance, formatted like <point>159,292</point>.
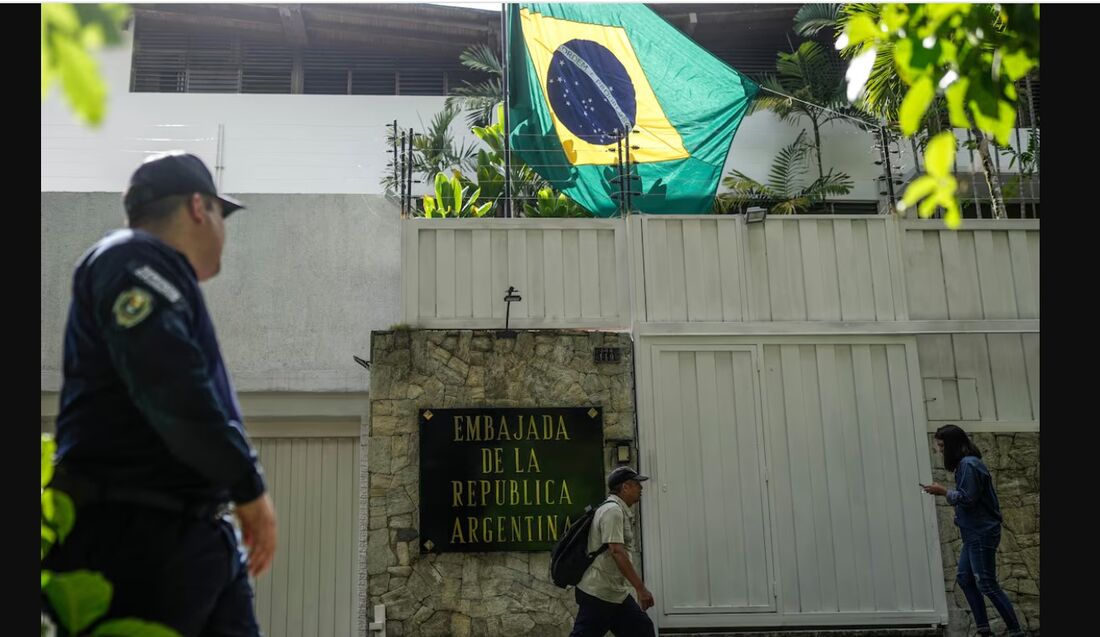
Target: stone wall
<point>462,594</point>
<point>1013,459</point>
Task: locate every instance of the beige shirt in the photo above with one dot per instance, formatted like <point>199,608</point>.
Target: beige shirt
<point>613,523</point>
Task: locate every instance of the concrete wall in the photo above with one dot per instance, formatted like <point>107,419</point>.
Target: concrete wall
<point>304,280</point>
<point>268,143</point>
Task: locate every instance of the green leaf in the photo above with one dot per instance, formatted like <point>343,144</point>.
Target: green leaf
<point>928,206</point>
<point>429,206</point>
<point>459,190</point>
<point>920,188</point>
<point>59,512</point>
<point>862,28</point>
<point>915,105</point>
<point>133,628</point>
<point>49,536</point>
<point>1001,126</point>
<point>48,449</point>
<point>84,86</point>
<point>45,577</point>
<point>894,16</point>
<point>956,102</point>
<point>61,16</point>
<point>940,154</point>
<point>903,57</point>
<point>952,219</point>
<point>78,598</point>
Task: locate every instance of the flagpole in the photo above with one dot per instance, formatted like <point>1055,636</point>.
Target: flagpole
<point>507,130</point>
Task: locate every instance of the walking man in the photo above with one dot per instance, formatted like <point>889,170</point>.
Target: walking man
<point>603,593</point>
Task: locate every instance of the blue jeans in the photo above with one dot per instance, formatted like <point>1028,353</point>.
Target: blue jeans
<point>977,576</point>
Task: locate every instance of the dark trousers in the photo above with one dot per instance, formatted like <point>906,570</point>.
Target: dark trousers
<point>595,617</point>
<point>185,572</point>
<point>977,577</point>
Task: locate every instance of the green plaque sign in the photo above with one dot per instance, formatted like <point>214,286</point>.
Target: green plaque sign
<point>506,479</point>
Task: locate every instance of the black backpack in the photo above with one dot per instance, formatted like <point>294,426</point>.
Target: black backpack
<point>570,557</point>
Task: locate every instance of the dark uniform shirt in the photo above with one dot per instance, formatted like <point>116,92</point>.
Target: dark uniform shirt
<point>147,402</point>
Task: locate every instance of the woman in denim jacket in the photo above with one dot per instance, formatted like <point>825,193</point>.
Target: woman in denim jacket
<point>978,516</point>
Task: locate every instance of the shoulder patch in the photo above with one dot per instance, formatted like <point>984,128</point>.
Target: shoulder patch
<point>132,306</point>
<point>158,283</point>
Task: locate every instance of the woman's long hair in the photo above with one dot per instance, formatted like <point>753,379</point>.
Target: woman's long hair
<point>956,445</point>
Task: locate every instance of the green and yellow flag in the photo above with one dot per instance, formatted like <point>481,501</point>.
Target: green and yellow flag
<point>580,74</point>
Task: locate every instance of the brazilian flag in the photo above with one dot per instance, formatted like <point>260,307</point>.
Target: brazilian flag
<point>579,74</point>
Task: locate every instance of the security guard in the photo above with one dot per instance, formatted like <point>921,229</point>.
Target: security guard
<point>149,438</point>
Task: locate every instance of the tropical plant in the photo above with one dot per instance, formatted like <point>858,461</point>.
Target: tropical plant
<point>78,598</point>
<point>434,149</point>
<point>971,54</point>
<point>1026,161</point>
<point>551,204</point>
<point>786,191</point>
<point>70,32</point>
<point>479,100</point>
<point>525,182</point>
<point>453,199</point>
<point>814,75</point>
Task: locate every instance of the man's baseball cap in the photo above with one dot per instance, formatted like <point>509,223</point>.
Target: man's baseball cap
<point>172,173</point>
<point>620,475</point>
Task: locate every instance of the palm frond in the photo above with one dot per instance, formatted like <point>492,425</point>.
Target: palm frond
<point>792,206</point>
<point>788,167</point>
<point>436,151</point>
<point>482,58</point>
<point>489,89</point>
<point>832,184</point>
<point>743,191</point>
<point>814,17</point>
<point>849,11</point>
<point>766,100</point>
<point>884,91</point>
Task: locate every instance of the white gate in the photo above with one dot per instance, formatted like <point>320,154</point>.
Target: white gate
<point>785,482</point>
<point>713,541</point>
<point>312,472</point>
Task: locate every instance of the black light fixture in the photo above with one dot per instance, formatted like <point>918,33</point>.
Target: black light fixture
<point>365,364</point>
<point>511,296</point>
<point>755,214</point>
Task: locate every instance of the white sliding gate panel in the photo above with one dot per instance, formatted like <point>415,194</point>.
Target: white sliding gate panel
<point>785,472</point>
<point>710,483</point>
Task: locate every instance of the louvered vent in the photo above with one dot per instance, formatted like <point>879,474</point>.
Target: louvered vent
<point>173,59</point>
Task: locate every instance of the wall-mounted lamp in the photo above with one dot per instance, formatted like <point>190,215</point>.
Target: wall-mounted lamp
<point>755,214</point>
<point>365,364</point>
<point>511,296</point>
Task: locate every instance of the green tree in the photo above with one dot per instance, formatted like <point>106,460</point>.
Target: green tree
<point>481,99</point>
<point>70,35</point>
<point>813,74</point>
<point>971,55</point>
<point>786,191</point>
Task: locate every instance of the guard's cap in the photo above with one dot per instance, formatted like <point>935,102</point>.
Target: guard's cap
<point>173,173</point>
